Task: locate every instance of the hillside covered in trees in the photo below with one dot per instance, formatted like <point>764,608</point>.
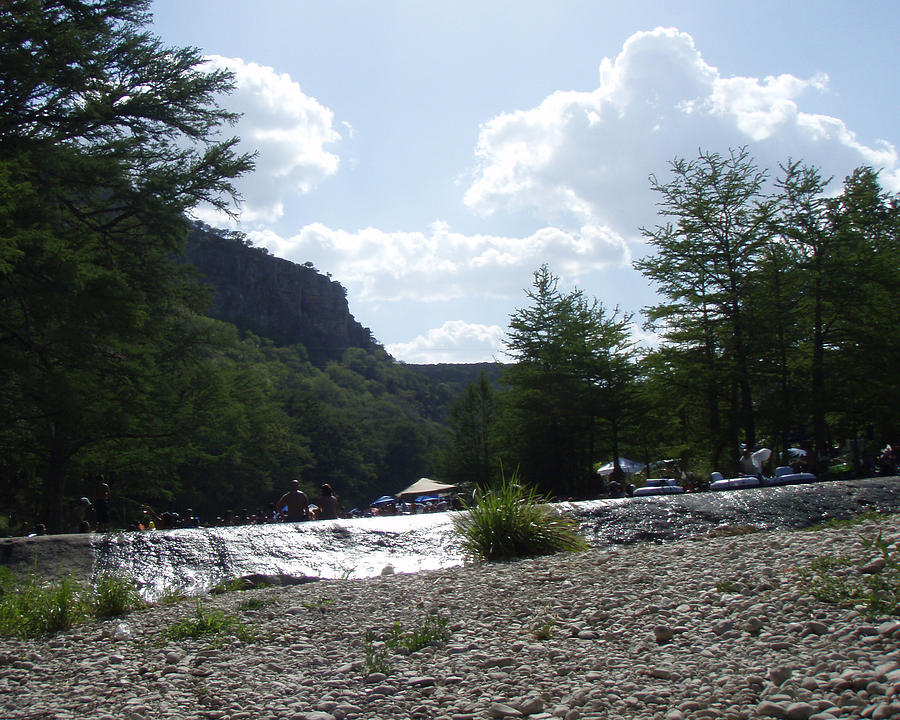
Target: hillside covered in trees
<point>208,387</point>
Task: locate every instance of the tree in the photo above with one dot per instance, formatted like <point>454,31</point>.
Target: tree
<point>704,265</point>
<point>472,454</point>
<point>573,371</point>
<point>865,222</point>
<point>107,138</point>
<point>846,251</point>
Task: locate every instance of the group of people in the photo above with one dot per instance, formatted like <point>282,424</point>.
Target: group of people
<point>86,509</point>
<point>293,506</point>
<point>400,507</point>
<point>92,513</point>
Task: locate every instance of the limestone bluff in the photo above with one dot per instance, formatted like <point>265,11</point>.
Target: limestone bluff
<point>274,298</point>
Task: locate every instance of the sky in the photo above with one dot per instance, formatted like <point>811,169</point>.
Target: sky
<point>431,156</point>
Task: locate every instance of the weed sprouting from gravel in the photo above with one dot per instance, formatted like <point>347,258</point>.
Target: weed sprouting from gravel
<point>433,631</point>
<point>213,624</point>
<point>840,581</point>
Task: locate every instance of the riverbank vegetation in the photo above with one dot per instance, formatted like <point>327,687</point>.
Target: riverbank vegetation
<point>512,521</point>
<point>32,606</point>
<point>776,322</point>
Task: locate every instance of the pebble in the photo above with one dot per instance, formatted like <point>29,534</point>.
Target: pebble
<point>638,632</point>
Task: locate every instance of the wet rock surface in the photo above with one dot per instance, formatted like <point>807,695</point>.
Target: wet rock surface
<point>718,628</point>
<point>198,559</point>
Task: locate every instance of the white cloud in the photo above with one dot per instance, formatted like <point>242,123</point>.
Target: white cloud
<point>578,163</point>
<point>289,129</point>
<point>455,341</point>
<point>585,157</point>
<point>441,265</point>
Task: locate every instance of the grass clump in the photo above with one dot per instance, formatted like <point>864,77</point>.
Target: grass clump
<point>31,606</point>
<point>239,585</point>
<point>321,605</point>
<point>433,631</point>
<point>512,521</point>
<point>838,581</point>
<point>213,624</point>
<point>255,603</point>
<point>114,595</point>
<point>724,586</point>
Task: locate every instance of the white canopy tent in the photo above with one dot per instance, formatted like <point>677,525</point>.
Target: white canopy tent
<point>629,467</point>
<point>425,486</point>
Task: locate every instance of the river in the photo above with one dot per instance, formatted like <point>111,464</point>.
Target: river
<point>194,560</point>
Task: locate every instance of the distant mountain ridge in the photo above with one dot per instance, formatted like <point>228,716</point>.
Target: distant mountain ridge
<point>275,298</point>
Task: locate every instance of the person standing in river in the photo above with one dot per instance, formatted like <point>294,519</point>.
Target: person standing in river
<point>101,504</point>
<point>328,503</point>
<point>293,506</point>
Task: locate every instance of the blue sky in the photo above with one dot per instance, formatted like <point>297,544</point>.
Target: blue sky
<point>431,156</point>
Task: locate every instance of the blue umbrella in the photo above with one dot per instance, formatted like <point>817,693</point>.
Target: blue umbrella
<point>427,498</point>
<point>383,500</point>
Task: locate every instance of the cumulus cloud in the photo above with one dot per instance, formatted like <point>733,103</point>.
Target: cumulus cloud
<point>289,130</point>
<point>440,264</point>
<point>576,167</point>
<point>456,341</point>
<point>586,156</point>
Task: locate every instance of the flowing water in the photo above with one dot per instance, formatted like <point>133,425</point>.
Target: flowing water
<point>196,559</point>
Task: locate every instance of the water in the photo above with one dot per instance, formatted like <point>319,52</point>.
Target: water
<point>197,559</point>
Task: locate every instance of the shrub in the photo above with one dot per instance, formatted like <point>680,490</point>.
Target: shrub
<point>512,521</point>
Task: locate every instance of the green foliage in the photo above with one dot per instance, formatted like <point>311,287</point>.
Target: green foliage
<point>472,454</point>
<point>255,603</point>
<point>31,606</point>
<point>716,229</point>
<point>106,139</point>
<point>376,655</point>
<point>114,595</point>
<point>571,380</point>
<point>171,596</point>
<point>433,631</point>
<point>544,626</point>
<point>838,581</point>
<point>321,605</point>
<point>512,521</point>
<point>377,648</point>
<point>213,624</point>
<point>776,311</point>
<point>237,585</point>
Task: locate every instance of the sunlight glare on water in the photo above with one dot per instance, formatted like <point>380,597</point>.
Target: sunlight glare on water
<point>194,560</point>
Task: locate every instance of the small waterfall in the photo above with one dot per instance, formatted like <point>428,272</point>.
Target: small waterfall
<point>194,560</point>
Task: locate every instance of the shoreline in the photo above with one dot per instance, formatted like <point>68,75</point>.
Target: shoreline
<point>83,555</point>
<point>700,629</point>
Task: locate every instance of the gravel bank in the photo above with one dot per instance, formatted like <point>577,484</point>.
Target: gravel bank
<point>717,628</point>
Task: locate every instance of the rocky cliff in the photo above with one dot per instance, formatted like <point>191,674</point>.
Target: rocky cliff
<point>275,298</point>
